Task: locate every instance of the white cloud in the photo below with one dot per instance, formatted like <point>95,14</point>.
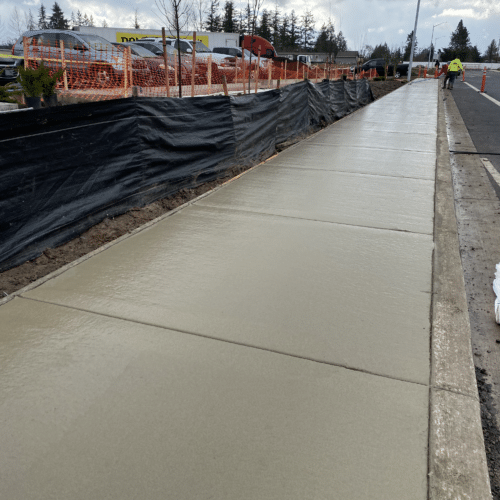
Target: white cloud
<point>465,13</point>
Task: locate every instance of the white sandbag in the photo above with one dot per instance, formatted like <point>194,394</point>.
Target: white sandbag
<point>496,289</point>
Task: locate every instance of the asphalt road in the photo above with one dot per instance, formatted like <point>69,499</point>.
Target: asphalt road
<point>477,208</point>
<point>480,114</point>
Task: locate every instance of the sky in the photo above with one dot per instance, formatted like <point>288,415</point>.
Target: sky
<point>363,22</point>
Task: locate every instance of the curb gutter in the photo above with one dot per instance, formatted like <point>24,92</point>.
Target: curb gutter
<point>457,457</point>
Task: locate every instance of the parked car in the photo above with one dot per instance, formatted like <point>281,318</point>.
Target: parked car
<point>89,58</point>
<point>237,53</point>
<point>379,65</point>
<point>8,67</point>
<point>232,51</point>
<point>156,46</point>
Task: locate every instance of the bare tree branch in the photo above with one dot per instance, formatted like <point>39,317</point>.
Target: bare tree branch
<point>176,14</point>
<point>16,22</point>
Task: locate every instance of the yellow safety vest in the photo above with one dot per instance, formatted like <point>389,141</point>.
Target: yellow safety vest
<point>455,65</point>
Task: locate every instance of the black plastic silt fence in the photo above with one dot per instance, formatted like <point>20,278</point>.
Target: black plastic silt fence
<point>65,169</point>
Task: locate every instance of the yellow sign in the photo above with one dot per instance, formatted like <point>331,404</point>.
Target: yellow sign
<point>132,37</point>
<point>9,56</point>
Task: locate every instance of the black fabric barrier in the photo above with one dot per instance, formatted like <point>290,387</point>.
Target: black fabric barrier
<point>255,118</point>
<point>65,169</point>
<point>293,113</point>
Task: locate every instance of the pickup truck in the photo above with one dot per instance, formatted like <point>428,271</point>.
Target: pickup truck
<point>379,65</point>
<point>9,67</point>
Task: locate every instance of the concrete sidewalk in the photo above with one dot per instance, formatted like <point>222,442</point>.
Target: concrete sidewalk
<point>299,333</point>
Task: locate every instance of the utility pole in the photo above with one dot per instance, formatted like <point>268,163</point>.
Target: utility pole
<point>432,36</point>
<point>413,42</point>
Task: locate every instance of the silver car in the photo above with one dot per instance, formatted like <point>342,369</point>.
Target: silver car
<point>87,57</point>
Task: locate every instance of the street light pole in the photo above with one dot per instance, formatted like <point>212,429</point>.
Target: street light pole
<point>413,42</point>
<point>432,36</point>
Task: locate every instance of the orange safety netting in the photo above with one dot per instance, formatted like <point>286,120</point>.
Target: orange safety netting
<point>110,72</point>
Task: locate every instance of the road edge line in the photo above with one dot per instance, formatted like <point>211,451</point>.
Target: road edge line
<point>483,94</point>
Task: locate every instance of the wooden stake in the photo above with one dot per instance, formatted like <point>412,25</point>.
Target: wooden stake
<point>209,75</point>
<point>175,71</point>
<point>257,73</point>
<point>193,63</point>
<point>243,65</point>
<point>224,85</point>
<point>125,72</point>
<point>63,65</point>
<point>165,60</point>
<point>269,72</point>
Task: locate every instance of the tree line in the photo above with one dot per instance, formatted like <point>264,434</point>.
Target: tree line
<point>460,46</point>
<point>287,32</point>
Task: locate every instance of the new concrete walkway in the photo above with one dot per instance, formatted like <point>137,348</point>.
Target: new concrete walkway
<point>299,333</point>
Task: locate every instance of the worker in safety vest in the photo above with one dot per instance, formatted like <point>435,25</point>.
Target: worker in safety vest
<point>454,67</point>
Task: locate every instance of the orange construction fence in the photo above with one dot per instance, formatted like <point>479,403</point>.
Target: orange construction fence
<point>111,71</point>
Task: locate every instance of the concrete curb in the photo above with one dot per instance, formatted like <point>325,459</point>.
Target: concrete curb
<point>457,457</point>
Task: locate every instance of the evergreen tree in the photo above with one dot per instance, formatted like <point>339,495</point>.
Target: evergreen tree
<point>240,21</point>
<point>73,20</point>
<point>491,52</point>
<point>42,18</point>
<point>381,52</point>
<point>326,41</point>
<point>104,23</point>
<point>307,30</point>
<point>57,20</point>
<point>407,52</point>
<point>79,18</point>
<point>136,21</point>
<point>474,54</point>
<point>460,42</point>
<point>30,21</point>
<point>213,22</point>
<point>293,32</point>
<point>228,21</point>
<point>284,38</point>
<point>341,42</point>
<point>275,26</point>
<point>264,28</point>
<point>248,19</point>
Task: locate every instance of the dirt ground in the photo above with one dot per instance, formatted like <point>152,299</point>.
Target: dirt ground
<point>380,89</point>
<point>111,229</point>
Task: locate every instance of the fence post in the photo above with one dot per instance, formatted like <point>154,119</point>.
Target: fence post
<point>243,66</point>
<point>125,71</point>
<point>284,77</point>
<point>175,70</point>
<point>224,85</point>
<point>209,75</point>
<point>193,63</point>
<point>257,71</point>
<point>63,65</point>
<point>269,71</point>
<point>463,75</point>
<point>25,50</point>
<point>165,60</point>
